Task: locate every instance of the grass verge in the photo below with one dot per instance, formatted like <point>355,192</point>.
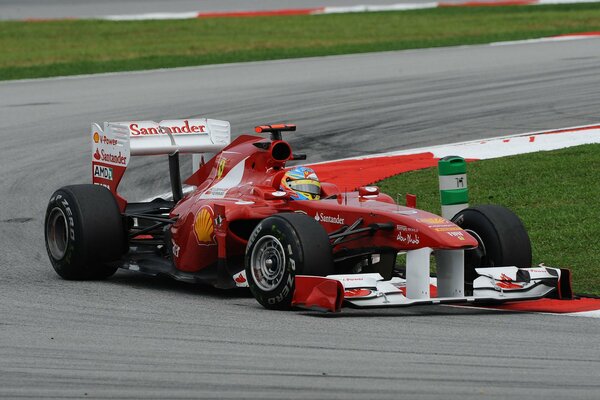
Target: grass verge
<point>556,194</point>
<point>53,48</point>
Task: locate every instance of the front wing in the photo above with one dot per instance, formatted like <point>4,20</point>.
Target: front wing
<point>494,285</point>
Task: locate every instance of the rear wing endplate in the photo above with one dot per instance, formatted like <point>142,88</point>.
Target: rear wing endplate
<point>114,144</point>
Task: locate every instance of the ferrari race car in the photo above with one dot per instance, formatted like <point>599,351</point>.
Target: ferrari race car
<point>238,228</point>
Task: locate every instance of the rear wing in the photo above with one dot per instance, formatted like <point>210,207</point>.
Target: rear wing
<point>115,143</point>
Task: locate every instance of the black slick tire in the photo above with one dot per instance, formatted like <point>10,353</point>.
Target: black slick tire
<point>502,237</point>
<point>281,247</point>
<point>84,232</point>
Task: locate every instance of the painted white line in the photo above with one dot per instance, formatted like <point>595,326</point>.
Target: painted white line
<point>150,16</point>
<point>504,145</point>
<point>588,314</point>
<point>546,40</point>
<point>378,8</point>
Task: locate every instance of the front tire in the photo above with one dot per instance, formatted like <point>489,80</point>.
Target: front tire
<point>281,247</point>
<point>502,237</point>
<point>84,232</point>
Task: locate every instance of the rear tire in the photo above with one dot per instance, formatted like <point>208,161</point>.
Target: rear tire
<point>502,237</point>
<point>84,232</point>
<point>281,247</point>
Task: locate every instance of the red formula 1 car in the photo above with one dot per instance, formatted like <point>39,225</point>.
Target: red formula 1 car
<point>237,228</point>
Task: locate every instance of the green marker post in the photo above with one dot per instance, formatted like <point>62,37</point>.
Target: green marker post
<point>454,193</point>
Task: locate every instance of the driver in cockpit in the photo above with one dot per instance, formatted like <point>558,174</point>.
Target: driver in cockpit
<point>301,183</point>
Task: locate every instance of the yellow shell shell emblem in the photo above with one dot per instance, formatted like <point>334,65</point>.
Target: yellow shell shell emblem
<point>204,227</point>
<point>96,137</point>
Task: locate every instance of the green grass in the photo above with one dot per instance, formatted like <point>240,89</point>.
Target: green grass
<point>52,48</point>
<point>556,194</point>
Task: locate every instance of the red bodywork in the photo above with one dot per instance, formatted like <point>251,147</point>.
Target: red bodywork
<point>240,187</point>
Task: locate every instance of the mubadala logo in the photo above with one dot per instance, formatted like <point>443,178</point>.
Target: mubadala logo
<point>320,217</point>
<point>103,172</point>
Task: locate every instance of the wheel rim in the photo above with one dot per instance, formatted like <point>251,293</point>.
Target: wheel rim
<point>479,254</point>
<point>267,263</point>
<point>57,233</point>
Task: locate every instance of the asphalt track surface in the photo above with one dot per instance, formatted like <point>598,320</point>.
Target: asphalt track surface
<point>24,9</point>
<point>134,336</point>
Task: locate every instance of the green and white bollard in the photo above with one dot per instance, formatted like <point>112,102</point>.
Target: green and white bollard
<point>454,194</point>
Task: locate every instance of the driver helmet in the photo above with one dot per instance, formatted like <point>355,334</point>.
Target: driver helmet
<point>302,183</point>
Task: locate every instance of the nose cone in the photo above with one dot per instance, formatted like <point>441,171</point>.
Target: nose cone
<point>447,233</point>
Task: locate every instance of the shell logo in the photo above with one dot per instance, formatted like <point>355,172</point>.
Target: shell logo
<point>204,228</point>
<point>96,137</point>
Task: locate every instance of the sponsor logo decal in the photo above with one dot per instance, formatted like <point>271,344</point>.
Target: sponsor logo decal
<point>240,279</point>
<point>204,228</point>
<point>458,235</point>
<point>408,238</point>
<point>320,217</point>
<point>507,283</point>
<point>350,279</point>
<point>448,229</point>
<point>105,156</point>
<point>135,129</point>
<point>435,221</point>
<point>110,141</point>
<point>543,271</point>
<point>357,292</point>
<point>103,172</point>
<point>215,193</point>
<point>403,228</point>
<point>104,139</point>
